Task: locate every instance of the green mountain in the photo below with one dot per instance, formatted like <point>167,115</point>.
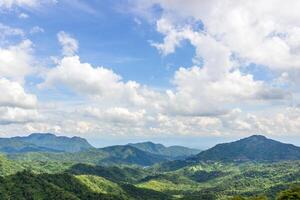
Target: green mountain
<point>38,142</point>
<point>103,156</point>
<point>174,152</point>
<point>101,174</point>
<point>131,155</point>
<point>254,148</point>
<point>8,167</point>
<point>26,185</point>
<point>224,180</point>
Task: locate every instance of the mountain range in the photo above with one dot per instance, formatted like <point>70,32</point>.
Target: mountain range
<point>174,152</point>
<point>254,167</point>
<point>44,147</point>
<point>46,142</point>
<point>48,146</point>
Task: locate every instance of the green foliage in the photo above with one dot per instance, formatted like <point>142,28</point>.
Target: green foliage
<point>225,180</point>
<point>53,179</point>
<point>101,185</point>
<point>27,185</point>
<point>130,155</point>
<point>8,167</point>
<point>114,173</point>
<point>105,156</point>
<point>291,194</point>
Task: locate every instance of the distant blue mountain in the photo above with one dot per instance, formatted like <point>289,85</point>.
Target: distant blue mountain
<point>43,142</point>
<point>173,152</point>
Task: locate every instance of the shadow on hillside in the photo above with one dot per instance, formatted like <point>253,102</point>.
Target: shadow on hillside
<point>26,185</point>
<point>122,177</point>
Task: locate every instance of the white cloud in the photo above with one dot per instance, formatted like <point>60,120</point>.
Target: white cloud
<point>23,16</point>
<point>115,114</point>
<point>7,31</point>
<point>9,115</point>
<point>203,100</point>
<point>198,94</point>
<point>212,88</point>
<point>36,29</point>
<point>8,4</point>
<point>69,44</point>
<point>16,61</point>
<point>11,3</point>
<point>254,30</point>
<point>16,106</point>
<point>98,83</point>
<point>13,95</point>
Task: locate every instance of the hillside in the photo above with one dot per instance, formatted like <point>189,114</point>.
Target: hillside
<point>253,148</point>
<point>38,142</point>
<point>103,156</point>
<point>216,180</point>
<point>113,173</point>
<point>26,185</point>
<point>131,155</point>
<point>174,152</point>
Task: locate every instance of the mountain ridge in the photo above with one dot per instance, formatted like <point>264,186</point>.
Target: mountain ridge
<point>174,151</point>
<point>43,142</point>
<point>252,148</point>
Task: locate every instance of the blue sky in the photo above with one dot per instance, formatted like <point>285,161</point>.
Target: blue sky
<point>127,70</point>
<point>108,34</point>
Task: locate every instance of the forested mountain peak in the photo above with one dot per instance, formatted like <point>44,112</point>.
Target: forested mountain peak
<point>253,148</point>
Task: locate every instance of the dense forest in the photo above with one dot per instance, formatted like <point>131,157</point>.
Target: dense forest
<point>144,172</point>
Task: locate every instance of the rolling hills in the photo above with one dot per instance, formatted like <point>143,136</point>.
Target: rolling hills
<point>103,156</point>
<point>251,168</point>
<point>49,147</point>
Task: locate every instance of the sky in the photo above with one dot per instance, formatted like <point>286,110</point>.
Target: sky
<point>186,72</point>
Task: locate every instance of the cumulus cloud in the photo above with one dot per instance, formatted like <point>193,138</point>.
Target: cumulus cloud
<point>16,106</point>
<point>16,61</point>
<point>204,99</point>
<point>13,95</point>
<point>12,115</point>
<point>209,89</point>
<point>69,44</point>
<point>98,83</point>
<point>260,33</point>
